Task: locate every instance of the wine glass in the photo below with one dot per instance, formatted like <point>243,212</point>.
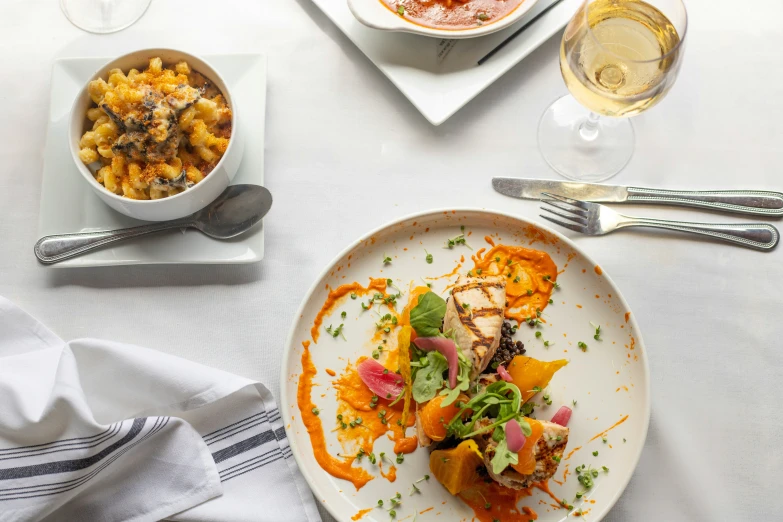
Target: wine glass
<point>618,58</point>
<point>103,16</point>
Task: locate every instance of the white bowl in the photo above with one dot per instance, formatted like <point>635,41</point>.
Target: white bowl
<point>375,14</point>
<point>184,203</point>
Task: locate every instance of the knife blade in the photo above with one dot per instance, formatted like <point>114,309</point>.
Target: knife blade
<point>753,202</point>
<point>532,189</point>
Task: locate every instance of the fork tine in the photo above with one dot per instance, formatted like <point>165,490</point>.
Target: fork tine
<point>575,228</point>
<point>566,207</point>
<point>579,219</point>
<point>574,202</point>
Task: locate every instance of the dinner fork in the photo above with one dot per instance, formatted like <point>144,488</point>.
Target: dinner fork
<point>594,219</point>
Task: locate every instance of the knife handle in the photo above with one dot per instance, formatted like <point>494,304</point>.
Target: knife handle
<point>754,202</point>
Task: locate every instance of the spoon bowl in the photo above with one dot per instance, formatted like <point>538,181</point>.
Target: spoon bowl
<point>233,212</point>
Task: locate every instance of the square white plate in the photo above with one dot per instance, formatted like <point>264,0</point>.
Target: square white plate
<point>440,76</point>
<point>69,205</point>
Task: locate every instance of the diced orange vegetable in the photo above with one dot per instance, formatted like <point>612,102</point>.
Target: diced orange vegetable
<point>527,460</point>
<point>434,418</point>
<point>404,343</point>
<point>528,373</point>
<point>455,468</point>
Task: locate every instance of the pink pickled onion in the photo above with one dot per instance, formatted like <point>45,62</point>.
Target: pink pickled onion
<point>504,374</point>
<point>447,348</point>
<point>515,439</point>
<point>387,385</point>
<point>562,416</point>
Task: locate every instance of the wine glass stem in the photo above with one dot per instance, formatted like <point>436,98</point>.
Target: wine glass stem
<point>588,130</point>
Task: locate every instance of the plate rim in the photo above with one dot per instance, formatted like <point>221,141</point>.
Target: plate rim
<point>284,399</point>
<point>258,247</point>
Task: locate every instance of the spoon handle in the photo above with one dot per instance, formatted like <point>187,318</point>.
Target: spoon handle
<point>56,248</point>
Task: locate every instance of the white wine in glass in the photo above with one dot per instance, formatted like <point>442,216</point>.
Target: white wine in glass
<point>618,58</point>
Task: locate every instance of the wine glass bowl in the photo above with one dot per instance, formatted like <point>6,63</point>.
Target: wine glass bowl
<point>618,58</point>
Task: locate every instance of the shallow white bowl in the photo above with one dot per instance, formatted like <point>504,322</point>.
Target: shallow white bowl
<point>373,13</point>
<point>184,203</point>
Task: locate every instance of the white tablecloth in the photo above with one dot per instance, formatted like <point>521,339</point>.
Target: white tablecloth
<point>346,153</point>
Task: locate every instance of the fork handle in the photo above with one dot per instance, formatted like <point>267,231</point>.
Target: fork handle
<point>754,202</point>
<point>760,236</point>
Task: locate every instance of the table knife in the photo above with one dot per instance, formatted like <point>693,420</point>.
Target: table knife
<point>754,202</point>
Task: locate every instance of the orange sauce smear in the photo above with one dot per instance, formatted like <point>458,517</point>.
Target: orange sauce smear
<point>613,426</point>
<point>337,468</point>
<point>335,295</point>
<point>354,402</point>
<point>450,274</point>
<point>544,486</point>
<point>390,475</point>
<point>361,513</point>
<point>572,452</point>
<point>598,270</point>
<point>526,288</point>
<point>503,503</point>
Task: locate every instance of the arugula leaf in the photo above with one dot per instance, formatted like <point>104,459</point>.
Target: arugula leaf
<point>427,315</point>
<point>500,401</point>
<point>503,457</point>
<point>429,379</point>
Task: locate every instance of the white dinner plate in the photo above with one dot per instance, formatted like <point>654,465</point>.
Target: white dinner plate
<point>68,204</point>
<point>609,381</point>
<point>440,76</point>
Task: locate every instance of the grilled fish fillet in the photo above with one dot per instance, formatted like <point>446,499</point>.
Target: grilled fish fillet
<point>475,313</point>
<point>546,447</point>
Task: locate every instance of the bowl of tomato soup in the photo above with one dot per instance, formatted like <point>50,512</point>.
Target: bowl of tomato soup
<point>440,18</point>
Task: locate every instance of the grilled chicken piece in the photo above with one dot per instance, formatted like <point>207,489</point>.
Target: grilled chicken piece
<point>475,313</point>
<point>547,447</point>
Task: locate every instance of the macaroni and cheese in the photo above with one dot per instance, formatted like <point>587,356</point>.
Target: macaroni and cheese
<point>155,133</point>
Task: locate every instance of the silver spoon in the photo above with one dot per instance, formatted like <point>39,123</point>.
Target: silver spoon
<point>234,211</point>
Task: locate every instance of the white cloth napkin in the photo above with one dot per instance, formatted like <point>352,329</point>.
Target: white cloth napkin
<point>95,430</point>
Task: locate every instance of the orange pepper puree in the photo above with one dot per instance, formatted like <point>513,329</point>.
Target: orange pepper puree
<point>544,486</point>
<point>406,445</point>
<point>354,399</point>
<point>390,475</point>
<point>376,284</point>
<point>526,269</point>
<point>613,426</point>
<point>361,513</point>
<point>503,502</point>
<point>338,468</point>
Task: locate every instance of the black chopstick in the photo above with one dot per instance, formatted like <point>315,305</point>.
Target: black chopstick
<point>517,33</point>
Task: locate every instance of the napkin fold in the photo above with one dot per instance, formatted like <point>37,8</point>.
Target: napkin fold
<point>97,430</point>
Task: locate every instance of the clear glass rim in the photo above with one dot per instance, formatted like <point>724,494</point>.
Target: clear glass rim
<point>586,6</point>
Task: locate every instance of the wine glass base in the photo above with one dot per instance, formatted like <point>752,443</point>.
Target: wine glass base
<point>579,152</point>
<point>103,16</point>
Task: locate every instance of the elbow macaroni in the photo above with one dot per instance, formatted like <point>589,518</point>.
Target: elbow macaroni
<point>154,132</point>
